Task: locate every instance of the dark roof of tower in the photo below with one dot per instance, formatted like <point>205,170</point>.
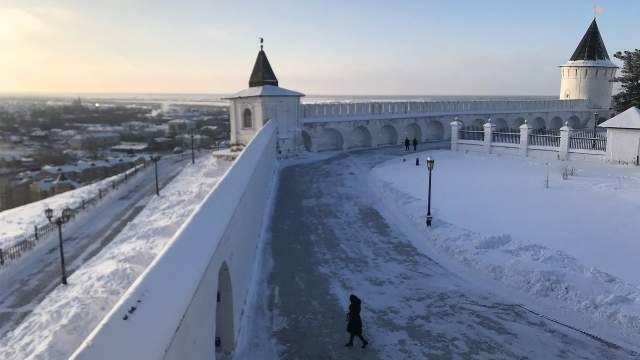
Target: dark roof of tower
<point>591,46</point>
<point>262,73</point>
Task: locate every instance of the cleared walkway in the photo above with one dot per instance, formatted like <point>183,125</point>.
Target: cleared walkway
<point>328,240</point>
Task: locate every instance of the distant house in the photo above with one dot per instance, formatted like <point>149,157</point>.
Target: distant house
<point>70,171</point>
<point>623,137</point>
<point>63,184</point>
<point>93,170</point>
<point>198,141</point>
<point>161,143</point>
<point>180,126</point>
<point>14,192</point>
<point>93,141</point>
<point>130,148</point>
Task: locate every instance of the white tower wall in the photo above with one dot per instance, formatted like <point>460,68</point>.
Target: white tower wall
<point>239,133</point>
<point>589,82</point>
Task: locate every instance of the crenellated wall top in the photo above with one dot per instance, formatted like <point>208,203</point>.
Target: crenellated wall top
<point>426,108</point>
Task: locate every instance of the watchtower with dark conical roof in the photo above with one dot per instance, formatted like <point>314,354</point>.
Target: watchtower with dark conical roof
<point>588,73</point>
<point>264,100</point>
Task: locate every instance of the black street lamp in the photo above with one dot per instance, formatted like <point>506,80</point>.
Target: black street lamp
<point>62,219</point>
<point>430,163</point>
<point>155,158</point>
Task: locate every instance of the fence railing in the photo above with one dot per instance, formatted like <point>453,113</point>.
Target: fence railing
<point>545,137</point>
<point>13,252</point>
<point>471,133</point>
<point>508,136</point>
<point>588,140</point>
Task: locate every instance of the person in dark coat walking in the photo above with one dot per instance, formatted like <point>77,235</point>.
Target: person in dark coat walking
<point>406,144</point>
<point>415,144</point>
<point>354,327</point>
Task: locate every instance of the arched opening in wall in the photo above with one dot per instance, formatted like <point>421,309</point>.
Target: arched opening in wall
<point>574,122</point>
<point>517,122</point>
<point>330,139</point>
<point>538,123</point>
<point>224,340</point>
<point>500,123</point>
<point>247,121</point>
<point>556,123</point>
<point>306,140</point>
<point>478,123</point>
<point>388,135</point>
<point>412,131</point>
<point>360,137</point>
<point>435,131</point>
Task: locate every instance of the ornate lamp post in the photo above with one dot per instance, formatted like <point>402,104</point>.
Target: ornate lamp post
<point>64,217</point>
<point>155,158</point>
<point>430,163</point>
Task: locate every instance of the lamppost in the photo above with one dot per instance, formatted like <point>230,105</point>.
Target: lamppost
<point>155,158</point>
<point>193,156</point>
<point>63,218</point>
<point>595,127</point>
<point>430,162</point>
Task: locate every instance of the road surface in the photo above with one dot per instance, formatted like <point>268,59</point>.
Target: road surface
<point>24,284</point>
<point>329,239</point>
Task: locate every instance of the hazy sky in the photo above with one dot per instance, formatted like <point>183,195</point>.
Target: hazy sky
<point>319,47</point>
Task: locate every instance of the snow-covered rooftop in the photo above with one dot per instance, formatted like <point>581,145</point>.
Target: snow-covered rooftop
<point>628,119</point>
<point>265,90</point>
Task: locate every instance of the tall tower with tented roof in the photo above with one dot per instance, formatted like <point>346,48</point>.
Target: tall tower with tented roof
<point>588,73</point>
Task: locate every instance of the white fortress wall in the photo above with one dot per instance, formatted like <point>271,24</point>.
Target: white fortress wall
<point>176,299</point>
<point>343,126</point>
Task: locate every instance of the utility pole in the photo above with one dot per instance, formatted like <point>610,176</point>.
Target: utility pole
<point>193,155</point>
<point>155,159</point>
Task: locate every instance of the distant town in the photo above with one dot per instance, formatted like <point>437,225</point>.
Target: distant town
<point>51,146</point>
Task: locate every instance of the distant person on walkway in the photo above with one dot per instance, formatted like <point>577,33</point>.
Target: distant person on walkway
<point>415,144</point>
<point>355,322</point>
<point>406,144</point>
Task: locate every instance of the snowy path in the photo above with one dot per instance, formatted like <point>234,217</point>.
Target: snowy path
<point>28,281</point>
<point>329,239</point>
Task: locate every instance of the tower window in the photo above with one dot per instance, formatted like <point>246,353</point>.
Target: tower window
<point>247,122</point>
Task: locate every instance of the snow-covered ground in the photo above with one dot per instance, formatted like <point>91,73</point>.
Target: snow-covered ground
<point>331,236</point>
<point>55,327</point>
<point>572,246</point>
<point>16,222</point>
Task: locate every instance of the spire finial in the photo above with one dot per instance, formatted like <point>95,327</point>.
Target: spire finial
<point>597,10</point>
<point>261,42</point>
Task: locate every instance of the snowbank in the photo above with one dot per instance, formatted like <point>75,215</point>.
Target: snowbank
<point>16,222</point>
<point>573,244</point>
<point>58,325</point>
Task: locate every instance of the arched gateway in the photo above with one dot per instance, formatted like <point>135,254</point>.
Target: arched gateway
<point>224,340</point>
